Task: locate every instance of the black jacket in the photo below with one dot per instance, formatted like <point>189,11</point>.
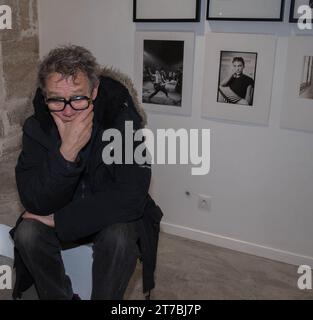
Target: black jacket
<point>87,195</point>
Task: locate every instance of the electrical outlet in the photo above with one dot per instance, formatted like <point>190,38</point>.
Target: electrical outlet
<point>204,202</point>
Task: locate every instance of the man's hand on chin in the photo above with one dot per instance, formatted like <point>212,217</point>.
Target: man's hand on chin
<point>47,220</point>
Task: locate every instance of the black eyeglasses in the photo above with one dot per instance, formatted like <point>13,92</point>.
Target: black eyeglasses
<point>77,103</point>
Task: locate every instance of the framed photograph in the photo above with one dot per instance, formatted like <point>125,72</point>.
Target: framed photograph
<point>164,71</point>
<point>295,4</point>
<point>166,10</point>
<point>297,110</point>
<point>246,10</point>
<point>238,77</point>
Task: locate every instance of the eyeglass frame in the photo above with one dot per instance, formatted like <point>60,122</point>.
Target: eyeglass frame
<point>68,102</point>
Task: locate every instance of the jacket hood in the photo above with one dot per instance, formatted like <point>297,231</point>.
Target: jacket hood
<point>122,78</point>
<point>115,90</point>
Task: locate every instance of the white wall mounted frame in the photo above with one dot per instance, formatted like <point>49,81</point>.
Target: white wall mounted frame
<point>265,47</point>
<point>180,55</point>
<point>297,109</point>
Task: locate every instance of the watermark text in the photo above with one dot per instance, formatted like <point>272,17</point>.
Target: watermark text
<point>5,17</point>
<point>305,280</point>
<point>305,19</point>
<point>167,146</point>
<point>5,277</point>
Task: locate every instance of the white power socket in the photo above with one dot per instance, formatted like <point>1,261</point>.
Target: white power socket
<point>204,202</point>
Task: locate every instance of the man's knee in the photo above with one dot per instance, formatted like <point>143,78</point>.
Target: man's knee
<point>28,234</point>
<point>120,237</point>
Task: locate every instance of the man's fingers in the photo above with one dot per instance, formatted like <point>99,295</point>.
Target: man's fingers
<point>86,124</point>
<point>27,215</point>
<point>47,220</point>
<point>58,122</point>
<point>88,119</point>
<point>86,134</point>
<point>31,216</point>
<point>87,131</point>
<point>84,114</point>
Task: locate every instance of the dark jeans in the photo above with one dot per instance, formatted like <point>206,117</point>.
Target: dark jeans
<point>115,254</point>
<point>157,89</point>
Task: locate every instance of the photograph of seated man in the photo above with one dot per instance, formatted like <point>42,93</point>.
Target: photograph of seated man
<point>235,86</point>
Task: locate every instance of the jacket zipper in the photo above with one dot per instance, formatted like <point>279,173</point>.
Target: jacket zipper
<point>83,189</point>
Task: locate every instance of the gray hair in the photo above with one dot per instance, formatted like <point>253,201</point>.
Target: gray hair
<point>69,60</point>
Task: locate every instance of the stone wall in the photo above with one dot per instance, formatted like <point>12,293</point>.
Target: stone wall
<point>19,55</point>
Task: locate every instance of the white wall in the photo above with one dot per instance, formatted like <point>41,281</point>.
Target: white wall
<point>261,178</point>
<point>103,26</point>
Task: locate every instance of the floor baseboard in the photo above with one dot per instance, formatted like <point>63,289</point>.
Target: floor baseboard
<point>237,245</point>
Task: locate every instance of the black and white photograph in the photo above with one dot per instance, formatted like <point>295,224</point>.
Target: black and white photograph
<point>163,72</point>
<point>236,84</point>
<point>297,110</point>
<point>164,63</point>
<point>294,6</point>
<point>238,77</point>
<point>306,85</point>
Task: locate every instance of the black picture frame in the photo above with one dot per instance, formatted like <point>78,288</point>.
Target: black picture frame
<point>196,18</point>
<point>292,18</point>
<point>240,54</point>
<point>278,19</point>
